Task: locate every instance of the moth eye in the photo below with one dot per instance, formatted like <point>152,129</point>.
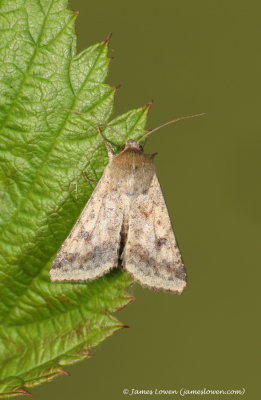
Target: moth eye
<point>141,148</point>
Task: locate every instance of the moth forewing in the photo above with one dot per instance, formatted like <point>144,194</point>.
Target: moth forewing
<point>125,223</point>
<point>151,254</point>
<point>91,249</point>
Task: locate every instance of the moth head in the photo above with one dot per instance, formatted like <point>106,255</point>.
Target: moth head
<point>132,144</point>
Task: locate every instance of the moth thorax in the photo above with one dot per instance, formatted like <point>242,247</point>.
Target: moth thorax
<point>131,172</point>
<point>132,144</point>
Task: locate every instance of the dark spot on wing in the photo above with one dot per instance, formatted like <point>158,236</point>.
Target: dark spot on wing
<point>161,242</point>
<point>180,273</point>
<point>65,260</point>
<point>84,234</point>
<point>71,257</point>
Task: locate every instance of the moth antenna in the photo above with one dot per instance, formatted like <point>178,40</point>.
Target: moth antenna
<point>100,122</point>
<point>168,123</point>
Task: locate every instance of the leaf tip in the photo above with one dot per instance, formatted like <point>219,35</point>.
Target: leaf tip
<point>24,392</point>
<point>117,87</point>
<point>108,38</point>
<point>129,299</point>
<point>87,353</point>
<point>63,372</point>
<point>149,104</point>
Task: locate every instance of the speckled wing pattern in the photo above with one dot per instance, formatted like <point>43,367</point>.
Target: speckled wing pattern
<point>92,247</point>
<point>151,253</point>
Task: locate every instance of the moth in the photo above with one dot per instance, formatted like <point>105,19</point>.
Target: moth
<point>124,224</point>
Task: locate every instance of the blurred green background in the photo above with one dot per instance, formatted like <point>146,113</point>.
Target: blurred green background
<point>190,57</point>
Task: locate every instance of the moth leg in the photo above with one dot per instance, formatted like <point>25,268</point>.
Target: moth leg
<point>109,148</point>
<point>92,181</point>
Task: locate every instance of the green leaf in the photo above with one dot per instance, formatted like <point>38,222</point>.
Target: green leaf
<point>44,151</point>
